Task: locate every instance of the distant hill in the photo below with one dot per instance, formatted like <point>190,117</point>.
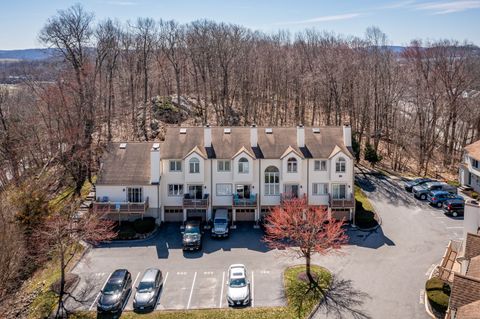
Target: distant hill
<point>27,54</point>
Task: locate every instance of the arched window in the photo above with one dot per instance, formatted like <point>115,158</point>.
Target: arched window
<point>194,165</point>
<point>272,181</point>
<point>243,167</point>
<point>292,165</point>
<point>340,165</point>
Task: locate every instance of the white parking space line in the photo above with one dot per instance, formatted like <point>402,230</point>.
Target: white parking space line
<point>221,290</point>
<point>253,291</point>
<point>98,295</point>
<point>191,291</point>
<point>455,227</point>
<point>136,278</point>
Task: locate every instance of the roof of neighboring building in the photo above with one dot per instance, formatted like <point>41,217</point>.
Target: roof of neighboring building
<point>474,267</point>
<point>126,166</point>
<point>473,150</point>
<point>465,290</point>
<point>469,311</point>
<point>274,145</point>
<point>472,246</point>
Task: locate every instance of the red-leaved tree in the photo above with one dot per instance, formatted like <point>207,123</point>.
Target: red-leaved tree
<point>303,230</point>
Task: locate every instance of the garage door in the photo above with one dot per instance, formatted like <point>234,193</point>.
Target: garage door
<point>173,214</point>
<point>197,213</point>
<point>245,215</point>
<point>341,214</point>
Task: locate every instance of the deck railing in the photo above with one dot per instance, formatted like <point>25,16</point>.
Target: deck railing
<point>289,196</point>
<point>195,203</point>
<point>122,207</point>
<point>348,202</point>
<point>244,202</point>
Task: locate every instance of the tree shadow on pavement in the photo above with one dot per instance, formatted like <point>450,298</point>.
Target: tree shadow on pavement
<point>342,300</point>
<point>372,239</point>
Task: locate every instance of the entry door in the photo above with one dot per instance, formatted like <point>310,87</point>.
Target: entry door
<point>291,190</point>
<point>339,191</point>
<point>243,191</point>
<point>195,191</point>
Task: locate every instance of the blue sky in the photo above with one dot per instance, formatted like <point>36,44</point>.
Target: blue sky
<point>401,20</point>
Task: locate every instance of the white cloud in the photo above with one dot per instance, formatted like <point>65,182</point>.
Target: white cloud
<point>445,7</point>
<point>337,17</point>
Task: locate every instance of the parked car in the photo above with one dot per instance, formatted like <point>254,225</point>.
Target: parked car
<point>238,292</point>
<point>421,191</point>
<point>192,235</point>
<point>115,292</point>
<point>436,198</point>
<point>148,290</point>
<point>221,222</point>
<point>419,181</point>
<point>454,207</point>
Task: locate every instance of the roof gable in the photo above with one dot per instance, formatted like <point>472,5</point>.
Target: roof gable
<point>289,150</point>
<point>473,150</point>
<point>198,151</point>
<point>337,150</point>
<point>243,150</point>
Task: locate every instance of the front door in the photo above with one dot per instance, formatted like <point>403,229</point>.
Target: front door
<point>291,190</point>
<point>339,191</point>
<point>243,191</point>
<point>195,191</point>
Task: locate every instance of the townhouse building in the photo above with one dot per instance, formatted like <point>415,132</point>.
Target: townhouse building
<point>469,170</point>
<point>246,170</point>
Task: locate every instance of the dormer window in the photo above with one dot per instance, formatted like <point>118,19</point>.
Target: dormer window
<point>243,167</point>
<point>340,165</point>
<point>194,165</point>
<point>292,165</point>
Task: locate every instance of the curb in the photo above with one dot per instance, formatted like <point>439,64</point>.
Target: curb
<point>428,309</point>
<point>138,240</point>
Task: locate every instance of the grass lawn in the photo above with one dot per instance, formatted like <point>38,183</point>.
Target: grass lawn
<point>361,197</point>
<point>364,212</point>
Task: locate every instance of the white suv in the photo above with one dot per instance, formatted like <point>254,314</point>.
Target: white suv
<point>238,292</point>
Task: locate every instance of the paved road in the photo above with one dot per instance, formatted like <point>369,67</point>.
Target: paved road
<point>389,265</point>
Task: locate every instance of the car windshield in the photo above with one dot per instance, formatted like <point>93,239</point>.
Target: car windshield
<point>112,288</point>
<point>238,283</point>
<point>146,286</point>
<point>220,221</point>
<point>192,230</point>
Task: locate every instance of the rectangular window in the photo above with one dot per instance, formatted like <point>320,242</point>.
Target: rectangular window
<point>224,189</point>
<point>340,166</point>
<point>175,190</point>
<point>319,188</point>
<point>223,166</point>
<point>475,163</point>
<point>320,165</point>
<point>134,195</point>
<point>339,191</point>
<point>194,166</point>
<point>175,166</point>
<point>243,166</point>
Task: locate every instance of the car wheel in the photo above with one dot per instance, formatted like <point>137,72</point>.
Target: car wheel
<point>439,205</point>
<point>454,214</point>
<point>423,197</point>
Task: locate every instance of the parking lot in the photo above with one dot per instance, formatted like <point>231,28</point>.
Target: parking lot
<point>389,264</point>
<point>192,280</point>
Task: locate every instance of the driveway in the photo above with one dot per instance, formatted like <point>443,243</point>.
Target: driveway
<point>390,264</point>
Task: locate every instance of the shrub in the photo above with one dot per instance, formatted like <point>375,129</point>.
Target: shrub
<point>454,183</point>
<point>364,218</point>
<point>371,155</point>
<point>145,225</point>
<point>438,294</point>
<point>475,195</point>
<point>126,230</point>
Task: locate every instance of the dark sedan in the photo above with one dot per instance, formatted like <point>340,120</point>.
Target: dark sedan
<point>419,181</point>
<point>148,290</point>
<point>115,293</point>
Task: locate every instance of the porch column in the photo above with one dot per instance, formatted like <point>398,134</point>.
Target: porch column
<point>184,215</point>
<point>257,218</point>
<point>234,218</point>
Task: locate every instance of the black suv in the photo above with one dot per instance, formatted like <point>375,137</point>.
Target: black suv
<point>454,207</point>
<point>115,292</point>
<point>192,235</point>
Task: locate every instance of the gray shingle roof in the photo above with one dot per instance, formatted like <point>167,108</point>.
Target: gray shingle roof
<point>129,166</point>
<point>177,145</point>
